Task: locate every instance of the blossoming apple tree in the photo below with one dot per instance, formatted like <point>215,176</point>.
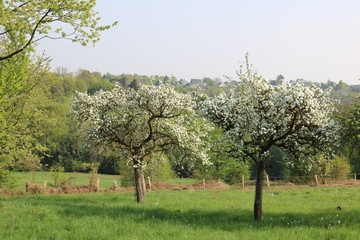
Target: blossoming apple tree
<point>139,123</point>
<point>258,116</point>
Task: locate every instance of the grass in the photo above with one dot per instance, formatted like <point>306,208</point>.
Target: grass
<point>224,214</point>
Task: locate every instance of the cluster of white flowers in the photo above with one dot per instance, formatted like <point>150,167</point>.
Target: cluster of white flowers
<point>143,121</point>
<point>292,116</point>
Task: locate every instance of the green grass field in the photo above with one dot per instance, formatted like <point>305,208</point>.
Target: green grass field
<point>305,213</point>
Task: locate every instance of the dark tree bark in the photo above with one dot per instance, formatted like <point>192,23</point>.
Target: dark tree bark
<point>140,186</point>
<point>260,169</point>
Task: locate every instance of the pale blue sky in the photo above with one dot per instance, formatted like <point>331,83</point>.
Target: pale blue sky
<point>315,40</point>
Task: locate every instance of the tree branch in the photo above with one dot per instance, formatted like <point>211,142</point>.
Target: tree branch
<point>118,139</point>
<point>30,39</point>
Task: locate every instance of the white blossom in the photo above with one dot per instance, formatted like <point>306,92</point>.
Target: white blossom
<point>292,116</point>
<point>141,122</point>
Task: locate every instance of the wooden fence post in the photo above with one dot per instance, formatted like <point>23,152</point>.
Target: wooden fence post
<point>355,178</point>
<point>149,181</point>
<point>316,180</point>
<point>27,186</point>
<point>267,180</point>
<point>116,184</point>
<point>243,181</point>
<point>98,183</point>
<point>45,184</point>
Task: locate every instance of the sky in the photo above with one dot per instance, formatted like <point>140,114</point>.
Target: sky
<point>315,40</point>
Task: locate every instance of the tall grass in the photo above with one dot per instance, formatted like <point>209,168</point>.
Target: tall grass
<point>224,214</point>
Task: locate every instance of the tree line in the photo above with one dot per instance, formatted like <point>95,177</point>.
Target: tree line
<point>44,135</point>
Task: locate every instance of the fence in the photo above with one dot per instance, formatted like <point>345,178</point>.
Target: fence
<point>100,181</point>
<point>113,182</point>
<point>312,180</point>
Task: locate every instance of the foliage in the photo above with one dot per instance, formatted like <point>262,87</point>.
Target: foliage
<point>158,168</point>
<point>62,137</point>
<point>22,23</point>
<point>25,22</point>
<point>6,177</point>
<point>234,170</point>
<point>301,173</point>
<point>56,171</point>
<point>224,165</point>
<point>134,85</point>
<point>350,133</point>
<point>276,168</point>
<point>182,169</point>
<point>12,75</point>
<point>109,163</point>
<point>25,120</point>
<point>340,168</point>
<point>23,79</point>
<point>337,168</point>
<point>126,173</point>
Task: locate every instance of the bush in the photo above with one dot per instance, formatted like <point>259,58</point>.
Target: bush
<point>340,168</point>
<point>233,171</point>
<point>7,179</point>
<point>56,170</point>
<point>158,168</point>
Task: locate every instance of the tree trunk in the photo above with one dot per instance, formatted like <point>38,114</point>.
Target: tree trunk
<point>140,186</point>
<point>260,167</point>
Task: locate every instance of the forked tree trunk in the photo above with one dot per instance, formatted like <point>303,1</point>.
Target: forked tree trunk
<point>140,186</point>
<point>260,167</point>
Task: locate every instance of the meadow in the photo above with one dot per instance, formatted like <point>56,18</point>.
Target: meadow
<point>303,213</point>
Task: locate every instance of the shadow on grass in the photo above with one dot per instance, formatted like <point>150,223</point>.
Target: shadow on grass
<point>223,219</point>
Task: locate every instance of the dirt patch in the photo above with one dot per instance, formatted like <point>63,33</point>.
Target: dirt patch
<point>5,192</point>
<point>350,182</point>
<point>119,189</point>
<point>208,185</point>
<point>328,184</point>
<point>80,189</point>
<point>164,186</point>
<point>36,189</point>
<point>213,185</point>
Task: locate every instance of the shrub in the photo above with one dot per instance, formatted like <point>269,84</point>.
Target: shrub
<point>340,168</point>
<point>56,170</point>
<point>158,168</point>
<point>233,171</point>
